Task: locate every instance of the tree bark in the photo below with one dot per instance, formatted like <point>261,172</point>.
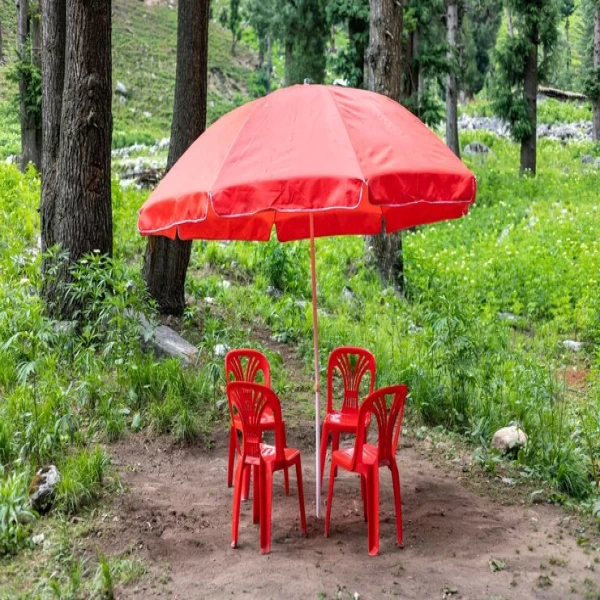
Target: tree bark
<point>30,127</point>
<point>54,29</point>
<point>357,28</point>
<point>384,69</point>
<point>289,49</point>
<point>83,213</point>
<point>529,143</point>
<point>269,64</point>
<point>166,261</point>
<point>451,87</point>
<point>596,65</point>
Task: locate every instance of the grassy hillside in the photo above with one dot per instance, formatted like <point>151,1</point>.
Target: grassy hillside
<point>144,56</point>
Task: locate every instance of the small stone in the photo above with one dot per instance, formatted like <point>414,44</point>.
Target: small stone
<point>209,300</point>
<point>38,539</point>
<point>476,148</point>
<point>509,438</point>
<point>348,294</point>
<point>121,89</point>
<point>573,345</point>
<point>506,316</point>
<point>587,159</point>
<point>220,350</point>
<point>225,284</point>
<point>42,489</point>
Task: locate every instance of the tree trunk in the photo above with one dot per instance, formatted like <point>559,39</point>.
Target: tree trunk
<point>289,49</point>
<point>83,214</point>
<point>528,144</point>
<point>30,130</point>
<point>269,63</point>
<point>451,87</point>
<point>384,68</point>
<point>356,35</point>
<point>596,64</point>
<point>166,261</point>
<point>2,59</point>
<point>53,77</point>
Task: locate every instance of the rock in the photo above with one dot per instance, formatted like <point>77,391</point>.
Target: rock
<point>476,148</point>
<point>209,300</point>
<point>573,345</point>
<point>348,294</point>
<point>597,162</point>
<point>64,327</point>
<point>506,316</point>
<point>165,341</point>
<point>42,489</point>
<point>38,539</point>
<point>225,284</point>
<point>274,292</point>
<point>586,159</point>
<point>121,89</point>
<point>123,99</point>
<point>220,350</point>
<point>509,438</point>
<point>147,115</point>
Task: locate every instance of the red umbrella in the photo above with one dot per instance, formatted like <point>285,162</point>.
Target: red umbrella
<point>310,161</point>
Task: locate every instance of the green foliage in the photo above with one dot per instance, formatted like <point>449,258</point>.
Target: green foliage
<point>234,23</point>
<point>81,479</point>
<point>15,514</point>
<point>23,71</point>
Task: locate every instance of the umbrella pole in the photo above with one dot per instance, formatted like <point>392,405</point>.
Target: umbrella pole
<point>313,275</point>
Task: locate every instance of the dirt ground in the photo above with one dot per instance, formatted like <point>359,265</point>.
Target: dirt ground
<point>176,516</point>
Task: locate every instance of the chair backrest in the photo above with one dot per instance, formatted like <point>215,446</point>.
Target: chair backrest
<point>353,364</point>
<point>248,401</point>
<point>246,365</point>
<point>388,420</point>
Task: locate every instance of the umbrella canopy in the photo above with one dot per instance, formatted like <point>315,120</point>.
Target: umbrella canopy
<point>310,161</point>
<point>350,157</point>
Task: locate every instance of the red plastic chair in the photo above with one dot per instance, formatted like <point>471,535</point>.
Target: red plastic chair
<point>353,365</point>
<point>366,459</point>
<point>235,370</point>
<point>248,402</point>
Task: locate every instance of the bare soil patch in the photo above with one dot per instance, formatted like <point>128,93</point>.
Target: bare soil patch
<point>176,515</point>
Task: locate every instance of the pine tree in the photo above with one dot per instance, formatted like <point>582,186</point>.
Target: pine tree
<point>514,90</point>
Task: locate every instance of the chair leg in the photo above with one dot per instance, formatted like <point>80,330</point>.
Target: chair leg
<point>301,496</point>
<point>266,504</point>
<point>286,476</point>
<point>329,500</point>
<point>246,485</point>
<point>237,493</point>
<point>373,508</point>
<point>397,502</point>
<point>364,496</point>
<point>232,434</point>
<point>335,445</point>
<point>324,442</point>
<point>256,493</point>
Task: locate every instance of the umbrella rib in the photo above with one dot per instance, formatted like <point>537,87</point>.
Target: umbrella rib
<point>347,134</point>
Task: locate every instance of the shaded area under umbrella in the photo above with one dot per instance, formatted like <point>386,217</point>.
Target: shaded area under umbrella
<point>310,161</point>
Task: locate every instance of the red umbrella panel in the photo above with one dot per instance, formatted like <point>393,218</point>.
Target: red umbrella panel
<point>310,161</point>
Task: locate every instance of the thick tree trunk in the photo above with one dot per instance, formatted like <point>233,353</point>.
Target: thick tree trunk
<point>166,260</point>
<point>529,143</point>
<point>357,28</point>
<point>384,68</point>
<point>53,77</point>
<point>451,87</point>
<point>83,214</point>
<point>596,64</point>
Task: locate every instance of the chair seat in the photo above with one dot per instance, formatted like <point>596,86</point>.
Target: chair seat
<point>267,453</point>
<point>344,421</point>
<point>344,457</point>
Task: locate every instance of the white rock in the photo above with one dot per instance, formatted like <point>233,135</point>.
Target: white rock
<point>509,438</point>
<point>573,345</point>
<point>220,350</point>
<point>225,284</point>
<point>209,300</point>
<point>44,489</point>
<point>38,539</point>
<point>121,89</point>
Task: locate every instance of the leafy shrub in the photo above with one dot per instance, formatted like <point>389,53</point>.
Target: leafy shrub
<point>15,514</point>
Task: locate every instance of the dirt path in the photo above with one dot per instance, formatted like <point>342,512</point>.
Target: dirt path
<point>176,515</point>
